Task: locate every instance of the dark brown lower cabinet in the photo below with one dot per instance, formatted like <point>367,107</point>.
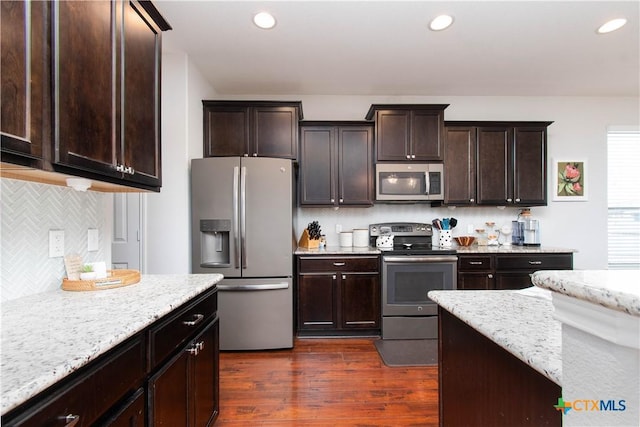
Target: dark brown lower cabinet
<point>338,295</point>
<point>507,271</point>
<point>481,384</point>
<point>184,392</point>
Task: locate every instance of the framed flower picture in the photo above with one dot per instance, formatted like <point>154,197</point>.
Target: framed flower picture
<point>570,180</point>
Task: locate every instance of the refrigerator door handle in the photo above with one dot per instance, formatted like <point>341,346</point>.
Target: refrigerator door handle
<point>243,215</point>
<point>236,235</point>
<point>263,287</point>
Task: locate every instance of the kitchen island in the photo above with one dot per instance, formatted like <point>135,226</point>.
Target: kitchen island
<point>51,336</point>
<point>507,357</point>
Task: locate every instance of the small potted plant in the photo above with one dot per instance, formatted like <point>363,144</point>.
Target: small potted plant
<point>87,273</point>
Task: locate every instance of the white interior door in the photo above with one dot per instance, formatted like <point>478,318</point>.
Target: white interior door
<point>126,241</point>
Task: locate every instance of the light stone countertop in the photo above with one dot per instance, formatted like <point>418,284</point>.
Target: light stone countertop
<point>520,321</point>
<point>47,336</point>
<point>615,289</point>
<point>473,249</point>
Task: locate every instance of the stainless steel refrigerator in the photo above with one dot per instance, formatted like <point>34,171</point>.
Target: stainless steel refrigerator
<point>241,222</point>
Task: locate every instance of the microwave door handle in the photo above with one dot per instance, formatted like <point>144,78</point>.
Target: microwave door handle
<point>426,183</point>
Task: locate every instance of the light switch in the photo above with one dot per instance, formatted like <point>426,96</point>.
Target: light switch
<point>92,239</point>
<point>56,243</point>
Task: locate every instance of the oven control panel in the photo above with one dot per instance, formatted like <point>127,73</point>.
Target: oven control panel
<point>400,229</point>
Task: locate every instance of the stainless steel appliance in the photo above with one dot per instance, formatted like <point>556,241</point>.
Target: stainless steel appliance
<point>241,221</point>
<point>410,269</point>
<point>409,182</point>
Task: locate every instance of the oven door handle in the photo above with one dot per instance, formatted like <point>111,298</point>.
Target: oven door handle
<point>426,259</point>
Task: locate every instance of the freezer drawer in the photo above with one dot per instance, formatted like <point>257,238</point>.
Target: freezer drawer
<point>255,314</point>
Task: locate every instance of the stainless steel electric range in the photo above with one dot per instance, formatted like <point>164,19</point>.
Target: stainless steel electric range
<point>411,267</point>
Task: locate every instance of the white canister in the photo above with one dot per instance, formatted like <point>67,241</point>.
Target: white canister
<point>360,237</point>
<point>346,239</point>
<point>445,238</point>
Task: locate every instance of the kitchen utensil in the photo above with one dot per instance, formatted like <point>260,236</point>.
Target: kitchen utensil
<point>445,224</point>
<point>465,240</point>
<point>437,224</point>
<point>453,222</point>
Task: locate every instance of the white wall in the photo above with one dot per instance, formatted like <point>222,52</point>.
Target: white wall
<point>167,214</point>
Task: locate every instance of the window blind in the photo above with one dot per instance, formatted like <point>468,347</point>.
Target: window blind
<point>623,147</point>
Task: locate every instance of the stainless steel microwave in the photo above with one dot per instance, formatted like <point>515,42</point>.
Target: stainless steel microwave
<point>409,182</point>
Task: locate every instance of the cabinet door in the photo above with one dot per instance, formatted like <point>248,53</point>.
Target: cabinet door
<point>140,91</point>
<point>85,92</point>
<point>427,130</point>
<point>513,280</point>
<point>360,300</point>
<point>460,165</point>
<point>317,166</point>
<point>168,393</point>
<point>316,301</point>
<point>530,172</point>
<point>131,414</point>
<point>275,132</point>
<point>25,88</point>
<point>355,166</point>
<point>482,280</point>
<point>205,379</point>
<point>226,131</point>
<point>494,165</point>
<point>393,135</point>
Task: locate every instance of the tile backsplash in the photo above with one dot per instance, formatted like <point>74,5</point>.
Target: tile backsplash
<point>28,211</point>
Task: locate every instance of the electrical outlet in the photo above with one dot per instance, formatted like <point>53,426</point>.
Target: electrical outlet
<point>338,228</point>
<point>56,243</point>
<point>92,239</point>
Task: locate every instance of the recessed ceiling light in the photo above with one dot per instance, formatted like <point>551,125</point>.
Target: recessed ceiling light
<point>264,20</point>
<point>611,25</point>
<point>441,22</point>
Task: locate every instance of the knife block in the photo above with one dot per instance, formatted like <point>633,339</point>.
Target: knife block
<point>308,242</point>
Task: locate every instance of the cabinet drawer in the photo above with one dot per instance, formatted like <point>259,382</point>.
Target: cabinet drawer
<point>475,263</point>
<point>170,334</point>
<point>534,262</point>
<point>355,264</point>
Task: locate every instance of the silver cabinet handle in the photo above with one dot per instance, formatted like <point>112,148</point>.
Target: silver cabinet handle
<point>341,200</point>
<point>344,277</point>
<point>476,262</point>
<point>197,318</point>
<point>71,420</point>
<point>333,200</point>
<point>509,200</point>
<point>339,264</point>
<point>413,156</point>
<point>517,200</point>
<point>490,276</point>
<point>408,156</point>
<point>535,262</point>
<point>471,200</point>
<point>119,168</point>
<point>334,277</point>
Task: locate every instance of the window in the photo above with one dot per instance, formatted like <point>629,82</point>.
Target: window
<point>623,146</point>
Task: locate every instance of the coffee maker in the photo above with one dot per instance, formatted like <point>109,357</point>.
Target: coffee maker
<point>526,230</point>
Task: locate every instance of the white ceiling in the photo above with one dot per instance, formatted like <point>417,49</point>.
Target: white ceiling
<point>384,47</point>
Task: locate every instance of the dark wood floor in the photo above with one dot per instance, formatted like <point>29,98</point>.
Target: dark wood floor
<point>324,382</point>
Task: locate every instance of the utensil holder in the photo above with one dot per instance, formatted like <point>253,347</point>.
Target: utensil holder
<point>445,239</point>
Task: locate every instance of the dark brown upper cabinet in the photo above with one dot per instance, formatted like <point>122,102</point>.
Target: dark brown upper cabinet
<point>25,123</point>
<point>496,163</point>
<point>107,90</point>
<point>336,164</point>
<point>251,128</point>
<point>408,132</point>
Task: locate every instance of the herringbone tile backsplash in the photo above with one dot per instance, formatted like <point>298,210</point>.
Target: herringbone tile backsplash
<point>29,211</point>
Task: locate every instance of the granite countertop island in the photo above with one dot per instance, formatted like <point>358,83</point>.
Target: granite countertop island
<point>519,321</point>
<point>47,336</point>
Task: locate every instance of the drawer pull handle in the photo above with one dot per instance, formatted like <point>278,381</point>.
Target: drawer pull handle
<point>476,262</point>
<point>197,318</point>
<point>339,264</point>
<point>490,276</point>
<point>71,420</point>
<point>535,262</point>
<point>196,348</point>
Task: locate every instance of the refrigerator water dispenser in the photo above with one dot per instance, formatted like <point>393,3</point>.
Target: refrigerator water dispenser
<point>214,243</point>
